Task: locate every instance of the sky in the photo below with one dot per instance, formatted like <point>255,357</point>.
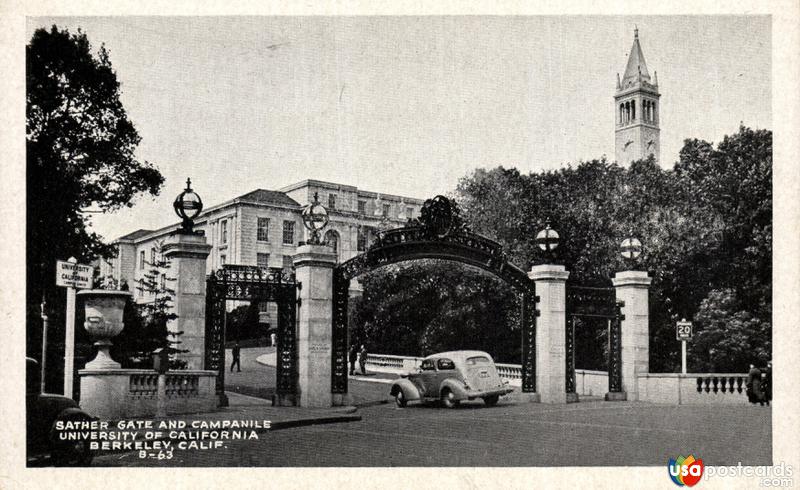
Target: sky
<point>408,105</point>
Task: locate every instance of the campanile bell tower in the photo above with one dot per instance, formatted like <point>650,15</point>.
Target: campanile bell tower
<point>637,110</point>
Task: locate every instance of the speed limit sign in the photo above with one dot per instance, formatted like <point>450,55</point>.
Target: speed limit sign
<point>683,330</point>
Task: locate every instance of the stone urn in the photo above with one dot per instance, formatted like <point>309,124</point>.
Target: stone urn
<point>104,310</point>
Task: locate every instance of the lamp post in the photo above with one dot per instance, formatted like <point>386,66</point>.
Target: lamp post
<point>188,206</point>
<point>315,218</point>
<point>548,240</point>
<point>630,249</point>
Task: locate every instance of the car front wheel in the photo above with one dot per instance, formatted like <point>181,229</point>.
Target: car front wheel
<point>449,399</point>
<point>400,399</point>
<point>491,400</point>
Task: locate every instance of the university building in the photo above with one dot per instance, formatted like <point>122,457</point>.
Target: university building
<point>263,228</point>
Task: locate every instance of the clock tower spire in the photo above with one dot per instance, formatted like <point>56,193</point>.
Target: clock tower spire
<point>637,110</point>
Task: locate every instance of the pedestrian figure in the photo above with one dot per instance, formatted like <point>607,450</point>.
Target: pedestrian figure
<point>236,362</point>
<point>273,339</point>
<point>754,392</point>
<point>362,359</point>
<point>767,376</point>
<point>353,358</point>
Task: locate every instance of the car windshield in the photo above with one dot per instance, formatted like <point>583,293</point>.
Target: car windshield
<point>473,361</point>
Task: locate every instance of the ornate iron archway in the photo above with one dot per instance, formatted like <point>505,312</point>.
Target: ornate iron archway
<point>250,283</point>
<point>594,302</point>
<point>438,234</point>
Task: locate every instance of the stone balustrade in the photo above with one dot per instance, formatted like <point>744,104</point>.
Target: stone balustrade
<point>113,394</point>
<point>178,384</point>
<point>695,388</point>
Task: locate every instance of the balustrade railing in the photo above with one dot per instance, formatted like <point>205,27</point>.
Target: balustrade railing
<point>509,371</point>
<point>589,382</point>
<point>721,383</point>
<point>178,384</point>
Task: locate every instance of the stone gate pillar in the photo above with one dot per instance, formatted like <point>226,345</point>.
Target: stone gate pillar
<point>632,288</point>
<point>187,254</point>
<point>314,271</point>
<point>551,327</point>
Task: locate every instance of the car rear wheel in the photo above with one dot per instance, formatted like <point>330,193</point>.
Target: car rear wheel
<point>491,400</point>
<point>449,399</point>
<point>400,399</point>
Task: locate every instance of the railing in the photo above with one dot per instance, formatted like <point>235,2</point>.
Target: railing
<point>388,361</point>
<point>178,384</point>
<point>675,388</point>
<point>722,383</point>
<point>509,371</point>
<point>693,388</point>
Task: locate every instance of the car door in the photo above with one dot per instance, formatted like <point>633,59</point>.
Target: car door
<point>445,368</point>
<point>425,378</point>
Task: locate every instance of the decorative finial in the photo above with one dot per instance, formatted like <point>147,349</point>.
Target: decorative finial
<point>188,183</point>
<point>316,197</point>
<point>635,31</point>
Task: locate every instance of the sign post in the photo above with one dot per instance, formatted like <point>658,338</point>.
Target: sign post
<point>73,276</point>
<point>683,333</point>
<point>44,342</point>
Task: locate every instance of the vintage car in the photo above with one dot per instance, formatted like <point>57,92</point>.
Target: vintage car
<point>451,377</point>
<point>43,410</point>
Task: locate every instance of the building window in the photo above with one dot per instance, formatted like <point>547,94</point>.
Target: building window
<point>163,281</point>
<point>223,232</point>
<point>222,259</point>
<point>262,260</point>
<point>288,232</point>
<point>362,207</point>
<point>385,210</point>
<point>287,262</point>
<point>331,201</point>
<point>332,240</point>
<point>152,256</point>
<point>410,213</point>
<point>262,235</point>
<point>362,240</point>
<point>141,259</point>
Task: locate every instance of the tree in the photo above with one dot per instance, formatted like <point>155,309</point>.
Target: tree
<point>80,159</point>
<point>426,306</point>
<point>147,324</point>
<point>706,227</point>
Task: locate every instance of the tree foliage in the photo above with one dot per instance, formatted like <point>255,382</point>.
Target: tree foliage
<point>426,306</point>
<point>80,158</point>
<point>706,227</point>
<point>147,323</point>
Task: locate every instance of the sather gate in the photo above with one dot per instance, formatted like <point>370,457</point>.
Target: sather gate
<point>438,234</point>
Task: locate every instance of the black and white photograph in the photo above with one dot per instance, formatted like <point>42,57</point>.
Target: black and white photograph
<point>428,241</point>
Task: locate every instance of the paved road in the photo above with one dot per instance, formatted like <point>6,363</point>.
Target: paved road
<point>590,433</point>
<point>258,380</point>
<point>525,434</point>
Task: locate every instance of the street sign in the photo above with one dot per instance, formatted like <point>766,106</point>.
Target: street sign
<point>73,276</point>
<point>77,276</point>
<point>684,330</point>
